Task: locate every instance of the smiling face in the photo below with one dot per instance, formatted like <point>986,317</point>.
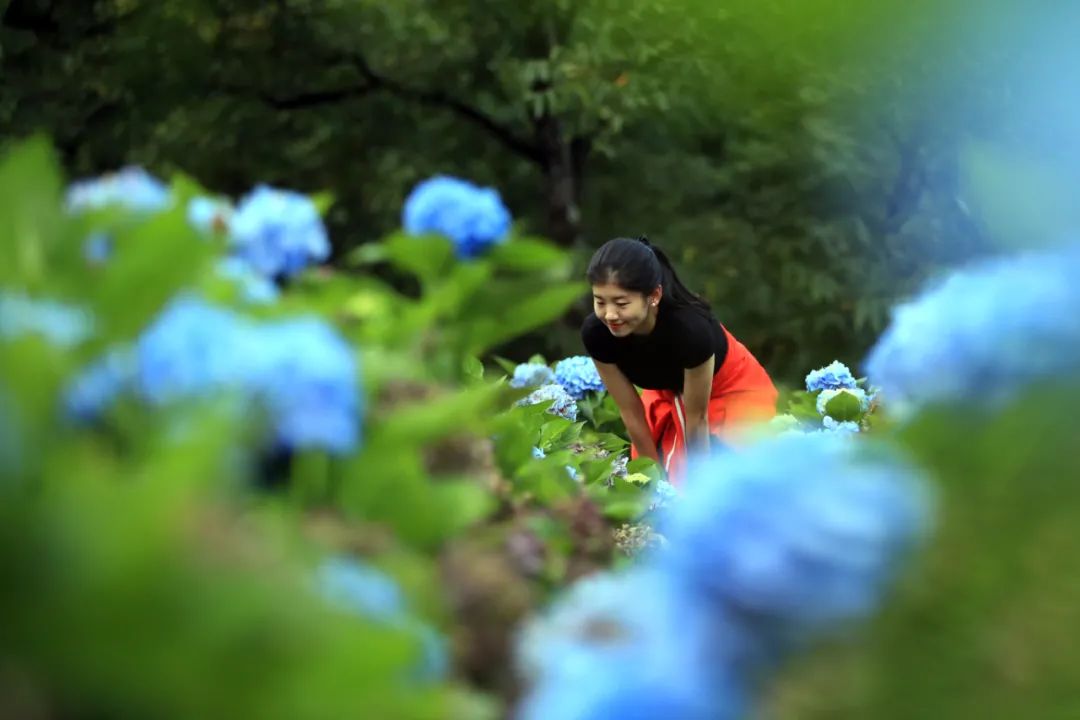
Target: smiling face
<point>625,311</point>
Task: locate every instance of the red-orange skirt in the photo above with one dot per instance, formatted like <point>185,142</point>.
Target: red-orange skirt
<point>742,394</point>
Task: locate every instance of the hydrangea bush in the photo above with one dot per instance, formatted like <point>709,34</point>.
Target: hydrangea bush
<point>326,498</point>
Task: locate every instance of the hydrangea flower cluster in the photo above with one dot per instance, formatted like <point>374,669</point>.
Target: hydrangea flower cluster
<point>300,370</point>
<point>131,188</point>
<point>663,495</point>
<point>474,218</point>
<point>629,645</point>
<point>210,215</point>
<point>60,324</point>
<point>531,375</point>
<point>561,403</point>
<point>806,549</point>
<point>370,593</point>
<point>254,288</point>
<point>833,376</point>
<point>278,232</point>
<point>847,426</point>
<point>275,232</point>
<point>983,333</point>
<point>826,395</point>
<point>578,375</point>
<point>767,548</point>
<point>571,472</point>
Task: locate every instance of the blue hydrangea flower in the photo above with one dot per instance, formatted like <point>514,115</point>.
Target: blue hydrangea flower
<point>97,387</point>
<point>195,349</point>
<point>309,381</point>
<point>611,636</point>
<point>663,495</point>
<point>562,404</point>
<point>278,232</point>
<point>61,324</point>
<point>538,454</point>
<point>131,188</point>
<point>473,218</point>
<point>255,288</point>
<point>578,375</point>
<point>210,214</point>
<point>983,333</point>
<point>98,248</point>
<point>370,593</point>
<point>299,370</point>
<point>361,588</point>
<point>618,468</point>
<point>847,426</point>
<point>826,395</point>
<point>800,531</point>
<point>532,375</point>
<point>833,376</point>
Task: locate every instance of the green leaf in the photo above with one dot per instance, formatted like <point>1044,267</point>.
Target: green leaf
<point>367,254</point>
<point>30,219</point>
<point>428,257</point>
<point>516,310</point>
<point>844,406</point>
<point>474,369</point>
<point>529,254</point>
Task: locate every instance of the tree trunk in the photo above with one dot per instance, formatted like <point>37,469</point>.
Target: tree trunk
<point>562,182</point>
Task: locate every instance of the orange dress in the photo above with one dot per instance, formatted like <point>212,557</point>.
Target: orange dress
<point>742,394</point>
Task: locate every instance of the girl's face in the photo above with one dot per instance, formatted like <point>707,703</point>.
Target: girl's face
<point>624,311</point>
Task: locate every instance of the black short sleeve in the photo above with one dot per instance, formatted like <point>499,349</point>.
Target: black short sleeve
<point>598,340</point>
<point>696,338</point>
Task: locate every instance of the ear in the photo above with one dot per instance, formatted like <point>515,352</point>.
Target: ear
<point>653,298</point>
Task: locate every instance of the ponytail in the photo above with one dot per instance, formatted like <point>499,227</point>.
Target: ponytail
<point>674,290</point>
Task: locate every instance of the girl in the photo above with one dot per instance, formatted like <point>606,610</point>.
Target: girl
<point>649,330</point>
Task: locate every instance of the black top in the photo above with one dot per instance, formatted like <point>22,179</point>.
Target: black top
<point>684,337</point>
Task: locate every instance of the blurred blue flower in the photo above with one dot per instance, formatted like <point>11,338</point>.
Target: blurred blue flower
<point>847,426</point>
<point>299,370</point>
<point>473,218</point>
<point>255,288</point>
<point>532,375</point>
<point>663,495</point>
<point>372,594</point>
<point>131,188</point>
<point>561,403</point>
<point>826,395</point>
<point>278,232</point>
<point>833,376</point>
<point>611,639</point>
<point>208,214</point>
<point>538,454</point>
<point>195,349</point>
<point>309,381</point>
<point>361,588</point>
<point>578,375</point>
<point>97,387</point>
<point>800,531</point>
<point>61,324</point>
<point>983,332</point>
<point>98,248</point>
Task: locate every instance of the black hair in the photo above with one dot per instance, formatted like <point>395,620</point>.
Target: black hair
<point>638,265</point>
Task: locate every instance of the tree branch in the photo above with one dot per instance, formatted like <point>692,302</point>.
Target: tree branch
<point>436,98</point>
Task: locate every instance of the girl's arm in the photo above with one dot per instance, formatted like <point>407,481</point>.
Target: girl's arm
<point>627,399</point>
<point>697,389</point>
